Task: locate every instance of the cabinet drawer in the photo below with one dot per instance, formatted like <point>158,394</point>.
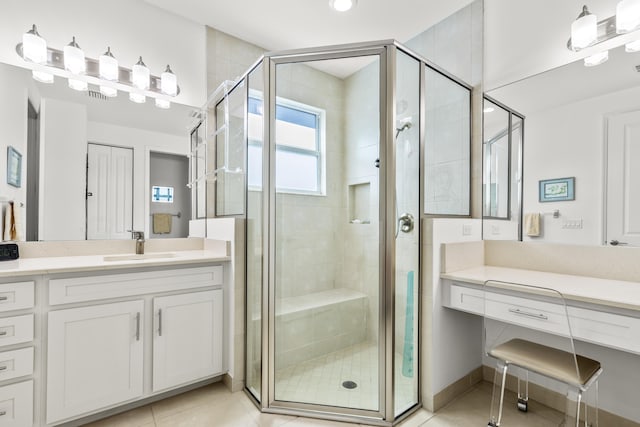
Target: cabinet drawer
<point>91,288</point>
<point>16,330</point>
<point>16,296</point>
<point>16,363</point>
<point>609,329</point>
<point>16,405</point>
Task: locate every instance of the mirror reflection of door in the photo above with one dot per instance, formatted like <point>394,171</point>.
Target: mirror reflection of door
<point>169,216</point>
<point>109,192</point>
<point>623,180</point>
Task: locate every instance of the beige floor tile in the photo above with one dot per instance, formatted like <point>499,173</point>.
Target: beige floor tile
<point>139,417</point>
<point>232,413</point>
<point>213,394</point>
<point>417,419</point>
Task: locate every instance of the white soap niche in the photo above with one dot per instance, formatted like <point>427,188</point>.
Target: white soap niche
<point>359,203</point>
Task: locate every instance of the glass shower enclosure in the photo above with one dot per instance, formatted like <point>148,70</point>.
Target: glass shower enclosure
<point>333,149</point>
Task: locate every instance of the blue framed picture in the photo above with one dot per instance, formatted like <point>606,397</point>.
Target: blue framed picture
<point>14,167</point>
<point>557,190</point>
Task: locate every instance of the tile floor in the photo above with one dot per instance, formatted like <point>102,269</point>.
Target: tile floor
<point>357,363</point>
<point>215,406</point>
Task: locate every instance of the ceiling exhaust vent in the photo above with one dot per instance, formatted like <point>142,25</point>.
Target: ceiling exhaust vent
<point>97,95</point>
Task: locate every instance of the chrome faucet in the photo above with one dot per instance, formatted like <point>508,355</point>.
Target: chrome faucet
<point>139,236</point>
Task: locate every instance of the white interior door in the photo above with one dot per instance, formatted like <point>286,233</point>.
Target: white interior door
<point>623,180</point>
<point>109,192</point>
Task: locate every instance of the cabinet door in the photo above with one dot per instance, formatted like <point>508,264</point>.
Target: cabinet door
<point>94,358</point>
<point>187,342</point>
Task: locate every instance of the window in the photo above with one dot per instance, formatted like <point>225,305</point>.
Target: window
<point>299,157</point>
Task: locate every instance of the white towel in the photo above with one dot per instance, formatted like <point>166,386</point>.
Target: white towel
<point>532,224</point>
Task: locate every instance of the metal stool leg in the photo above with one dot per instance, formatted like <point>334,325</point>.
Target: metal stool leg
<point>501,370</point>
<point>523,392</point>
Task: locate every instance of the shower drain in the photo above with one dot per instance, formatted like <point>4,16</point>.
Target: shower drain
<point>349,384</point>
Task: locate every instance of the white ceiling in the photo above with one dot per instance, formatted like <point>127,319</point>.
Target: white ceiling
<point>290,24</point>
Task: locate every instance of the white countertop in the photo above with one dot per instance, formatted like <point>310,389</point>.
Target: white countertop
<point>613,293</point>
<point>66,264</point>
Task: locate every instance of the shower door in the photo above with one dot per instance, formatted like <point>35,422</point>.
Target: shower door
<point>326,221</point>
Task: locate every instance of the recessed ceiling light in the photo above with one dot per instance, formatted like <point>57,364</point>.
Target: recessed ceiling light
<point>342,5</point>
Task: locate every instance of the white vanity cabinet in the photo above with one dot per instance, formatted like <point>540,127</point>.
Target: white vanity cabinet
<point>187,338</point>
<point>95,358</point>
<point>128,336</point>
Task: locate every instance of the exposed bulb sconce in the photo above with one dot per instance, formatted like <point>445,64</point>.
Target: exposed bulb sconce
<point>105,72</point>
<point>586,31</point>
<point>342,5</point>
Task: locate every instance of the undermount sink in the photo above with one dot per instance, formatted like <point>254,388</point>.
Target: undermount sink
<point>137,257</point>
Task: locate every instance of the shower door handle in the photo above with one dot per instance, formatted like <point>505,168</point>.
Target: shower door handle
<point>406,222</point>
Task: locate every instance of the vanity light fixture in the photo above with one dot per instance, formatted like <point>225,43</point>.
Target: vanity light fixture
<point>586,31</point>
<point>34,49</point>
<point>632,46</point>
<point>140,75</point>
<point>596,59</point>
<point>627,16</point>
<point>168,82</point>
<point>105,72</point>
<point>138,98</point>
<point>342,5</point>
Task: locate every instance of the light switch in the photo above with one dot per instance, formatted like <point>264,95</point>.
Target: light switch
<point>572,224</point>
<point>466,230</point>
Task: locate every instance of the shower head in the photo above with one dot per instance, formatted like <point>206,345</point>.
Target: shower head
<point>405,126</point>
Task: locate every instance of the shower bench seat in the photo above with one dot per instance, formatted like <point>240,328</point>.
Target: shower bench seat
<point>315,324</point>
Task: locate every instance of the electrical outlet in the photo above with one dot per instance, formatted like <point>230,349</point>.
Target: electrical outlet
<point>495,230</point>
<point>572,224</point>
<point>466,230</point>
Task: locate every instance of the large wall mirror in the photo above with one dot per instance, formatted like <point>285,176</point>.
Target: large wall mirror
<point>93,167</point>
<point>583,129</point>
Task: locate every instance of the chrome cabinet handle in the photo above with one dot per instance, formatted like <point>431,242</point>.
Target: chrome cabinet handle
<point>3,298</point>
<point>3,368</point>
<point>3,333</point>
<point>528,314</point>
<point>138,326</point>
<point>406,222</point>
<point>3,413</point>
<point>160,322</point>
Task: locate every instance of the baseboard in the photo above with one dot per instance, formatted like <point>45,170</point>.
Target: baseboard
<point>232,385</point>
<point>556,400</point>
<point>442,398</point>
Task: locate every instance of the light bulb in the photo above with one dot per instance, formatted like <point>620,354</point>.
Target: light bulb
<point>627,16</point>
<point>108,66</point>
<point>108,91</point>
<point>584,30</point>
<point>34,47</point>
<point>140,76</point>
<point>76,84</point>
<point>342,5</point>
<point>169,82</point>
<point>74,58</point>
<point>596,59</point>
<point>632,46</point>
<point>42,76</point>
<point>138,98</point>
<point>163,103</point>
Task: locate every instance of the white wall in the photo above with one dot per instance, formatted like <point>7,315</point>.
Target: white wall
<point>450,340</point>
<point>131,28</point>
<point>142,141</point>
<point>63,160</point>
<point>553,138</point>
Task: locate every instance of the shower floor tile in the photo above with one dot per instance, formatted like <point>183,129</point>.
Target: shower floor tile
<point>319,380</point>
